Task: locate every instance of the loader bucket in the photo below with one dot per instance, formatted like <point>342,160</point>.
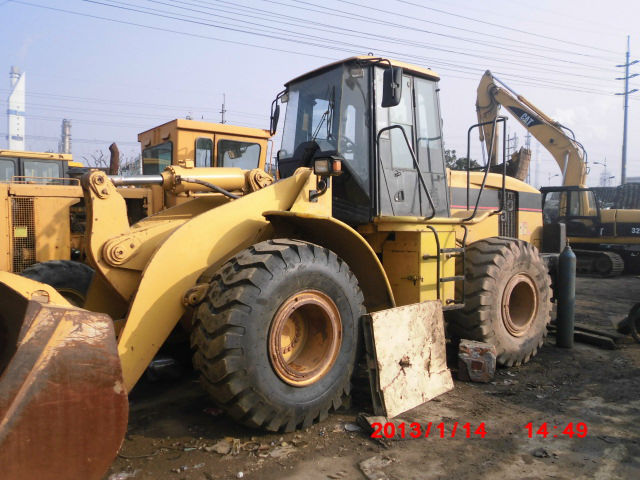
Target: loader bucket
<point>63,407</point>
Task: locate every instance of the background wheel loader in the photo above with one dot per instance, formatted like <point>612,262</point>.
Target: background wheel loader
<point>44,215</point>
<point>272,278</point>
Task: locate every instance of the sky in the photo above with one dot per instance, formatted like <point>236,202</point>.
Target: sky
<point>119,67</point>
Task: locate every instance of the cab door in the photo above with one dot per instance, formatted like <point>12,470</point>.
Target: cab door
<point>241,152</point>
<point>398,187</point>
<point>401,190</point>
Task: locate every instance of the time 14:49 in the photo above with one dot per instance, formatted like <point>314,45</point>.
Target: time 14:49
<point>544,430</point>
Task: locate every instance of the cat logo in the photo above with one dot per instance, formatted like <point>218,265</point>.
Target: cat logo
<point>524,117</point>
<point>527,119</point>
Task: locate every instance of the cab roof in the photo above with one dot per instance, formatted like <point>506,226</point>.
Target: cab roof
<point>36,155</point>
<point>184,124</point>
<point>414,69</point>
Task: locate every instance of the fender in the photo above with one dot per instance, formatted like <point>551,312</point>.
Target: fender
<point>176,264</point>
<point>347,243</point>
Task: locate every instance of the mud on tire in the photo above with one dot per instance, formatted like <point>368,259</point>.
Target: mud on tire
<point>508,299</point>
<point>248,375</point>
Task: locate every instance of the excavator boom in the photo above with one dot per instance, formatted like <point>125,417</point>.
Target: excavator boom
<point>567,152</point>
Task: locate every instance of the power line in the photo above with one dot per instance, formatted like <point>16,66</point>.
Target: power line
<point>341,31</point>
<point>164,15</point>
<point>78,140</point>
<point>160,29</point>
<point>243,43</point>
<point>524,32</point>
<point>388,12</point>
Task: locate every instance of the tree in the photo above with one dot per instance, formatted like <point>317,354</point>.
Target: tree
<point>129,164</point>
<point>455,163</point>
<point>97,159</point>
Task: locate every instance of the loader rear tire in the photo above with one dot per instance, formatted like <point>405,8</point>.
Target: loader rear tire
<point>508,299</point>
<point>276,338</point>
<point>71,279</point>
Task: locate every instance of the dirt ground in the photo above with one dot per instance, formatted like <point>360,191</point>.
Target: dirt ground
<point>175,433</point>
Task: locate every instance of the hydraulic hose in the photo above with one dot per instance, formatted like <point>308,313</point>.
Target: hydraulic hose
<point>213,187</point>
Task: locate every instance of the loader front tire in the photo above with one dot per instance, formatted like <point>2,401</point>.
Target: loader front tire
<point>276,338</point>
<point>71,279</point>
<point>508,299</point>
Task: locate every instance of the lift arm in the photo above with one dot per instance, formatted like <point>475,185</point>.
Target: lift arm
<point>567,151</point>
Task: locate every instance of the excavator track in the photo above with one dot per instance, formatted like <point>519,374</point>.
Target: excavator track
<point>605,264</point>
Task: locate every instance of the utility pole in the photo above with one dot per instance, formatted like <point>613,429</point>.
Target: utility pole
<point>223,110</point>
<point>527,144</point>
<point>511,149</point>
<point>626,65</point>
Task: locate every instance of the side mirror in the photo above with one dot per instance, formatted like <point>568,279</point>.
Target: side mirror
<point>275,115</point>
<point>392,87</point>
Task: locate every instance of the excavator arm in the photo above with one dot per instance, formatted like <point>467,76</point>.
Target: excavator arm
<point>567,152</point>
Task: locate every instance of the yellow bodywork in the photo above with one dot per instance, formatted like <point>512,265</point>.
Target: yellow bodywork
<point>148,273</point>
<point>139,270</point>
<point>184,133</point>
<point>63,157</point>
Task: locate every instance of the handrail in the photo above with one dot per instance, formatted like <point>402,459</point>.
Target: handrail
<point>438,283</point>
<point>493,122</point>
<point>31,179</point>
<point>416,165</point>
<point>436,220</point>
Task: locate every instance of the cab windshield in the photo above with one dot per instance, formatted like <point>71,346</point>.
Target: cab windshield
<point>329,109</point>
<point>155,159</point>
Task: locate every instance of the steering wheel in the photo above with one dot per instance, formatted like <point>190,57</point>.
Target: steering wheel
<point>346,144</point>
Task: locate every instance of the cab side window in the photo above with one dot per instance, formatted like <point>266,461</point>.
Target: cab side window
<point>35,169</point>
<point>7,169</point>
<point>232,153</point>
<point>204,152</point>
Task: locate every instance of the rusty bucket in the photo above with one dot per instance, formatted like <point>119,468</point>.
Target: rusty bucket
<point>63,406</point>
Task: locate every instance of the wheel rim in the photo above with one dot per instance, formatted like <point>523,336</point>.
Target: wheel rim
<point>519,304</point>
<point>305,338</point>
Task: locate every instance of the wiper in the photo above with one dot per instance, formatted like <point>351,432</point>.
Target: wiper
<point>317,130</point>
<point>327,115</point>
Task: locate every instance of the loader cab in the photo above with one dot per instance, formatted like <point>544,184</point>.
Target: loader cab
<point>35,167</point>
<point>392,156</point>
<point>192,143</point>
<point>576,207</point>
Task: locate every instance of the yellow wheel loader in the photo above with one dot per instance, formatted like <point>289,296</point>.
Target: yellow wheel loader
<point>44,216</point>
<point>272,278</point>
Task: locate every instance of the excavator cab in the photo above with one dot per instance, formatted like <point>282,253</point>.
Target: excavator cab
<point>576,207</point>
<point>392,156</point>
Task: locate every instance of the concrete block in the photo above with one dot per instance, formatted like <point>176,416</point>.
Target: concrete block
<point>476,361</point>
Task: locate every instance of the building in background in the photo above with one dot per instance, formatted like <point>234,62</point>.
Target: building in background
<point>16,110</point>
<point>65,137</point>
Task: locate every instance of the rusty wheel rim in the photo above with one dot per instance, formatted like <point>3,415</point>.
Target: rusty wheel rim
<point>519,304</point>
<point>305,338</point>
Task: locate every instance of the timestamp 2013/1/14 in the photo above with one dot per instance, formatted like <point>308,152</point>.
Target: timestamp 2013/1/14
<point>418,430</point>
<point>545,430</point>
